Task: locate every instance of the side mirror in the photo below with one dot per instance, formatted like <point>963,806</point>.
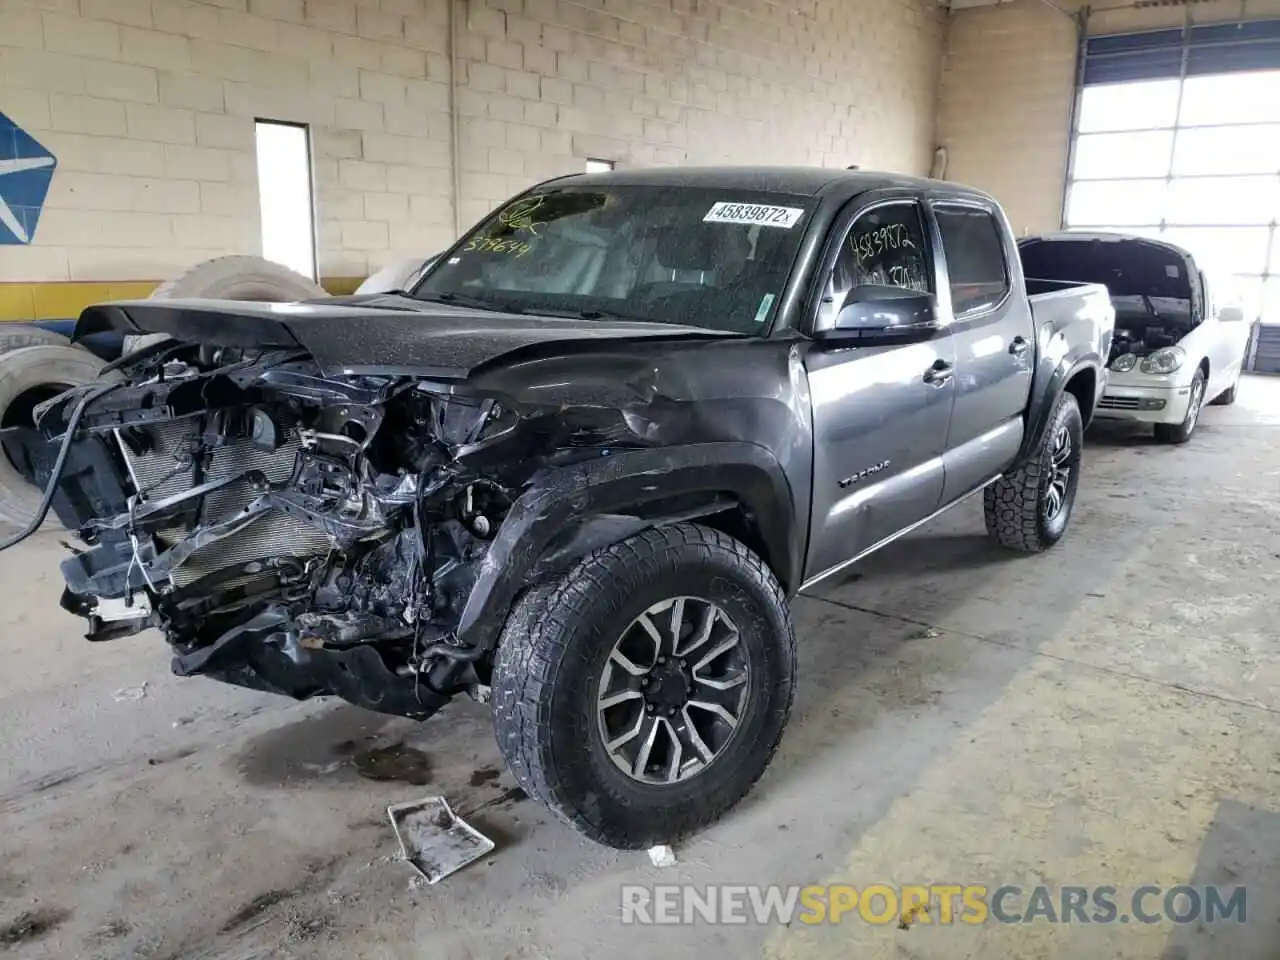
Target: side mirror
<point>872,315</point>
<point>1231,314</point>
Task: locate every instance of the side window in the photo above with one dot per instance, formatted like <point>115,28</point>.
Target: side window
<point>885,246</point>
<point>974,247</point>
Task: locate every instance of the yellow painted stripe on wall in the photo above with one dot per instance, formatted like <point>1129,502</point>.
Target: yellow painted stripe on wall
<point>341,286</point>
<point>68,299</point>
<point>17,301</point>
<point>61,300</point>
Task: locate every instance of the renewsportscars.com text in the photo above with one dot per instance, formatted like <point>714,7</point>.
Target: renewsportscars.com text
<point>972,904</point>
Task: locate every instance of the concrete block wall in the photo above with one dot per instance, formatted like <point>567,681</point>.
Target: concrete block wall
<point>149,107</point>
<point>549,83</point>
<point>1008,86</point>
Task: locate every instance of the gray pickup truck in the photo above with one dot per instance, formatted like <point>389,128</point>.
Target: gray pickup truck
<point>580,468</point>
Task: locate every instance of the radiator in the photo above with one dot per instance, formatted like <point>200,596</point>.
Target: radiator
<point>272,534</point>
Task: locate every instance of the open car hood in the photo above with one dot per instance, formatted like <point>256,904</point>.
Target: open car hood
<point>385,335</point>
<point>1128,265</point>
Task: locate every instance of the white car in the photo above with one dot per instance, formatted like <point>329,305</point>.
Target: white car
<point>1175,347</point>
<point>401,275</point>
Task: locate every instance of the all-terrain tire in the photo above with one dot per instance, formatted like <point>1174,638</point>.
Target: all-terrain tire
<point>1017,513</point>
<point>27,375</point>
<point>235,277</point>
<point>552,655</point>
<point>1181,432</point>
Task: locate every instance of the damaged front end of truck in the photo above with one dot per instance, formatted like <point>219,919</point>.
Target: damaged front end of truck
<point>300,518</point>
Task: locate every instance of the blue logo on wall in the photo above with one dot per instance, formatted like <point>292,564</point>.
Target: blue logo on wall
<point>25,171</point>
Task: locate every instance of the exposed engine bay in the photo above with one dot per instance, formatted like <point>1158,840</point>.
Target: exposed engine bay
<point>349,499</point>
<point>289,531</point>
<point>1150,283</point>
<point>1146,324</point>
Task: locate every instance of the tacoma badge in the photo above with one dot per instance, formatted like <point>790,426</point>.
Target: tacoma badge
<point>880,467</point>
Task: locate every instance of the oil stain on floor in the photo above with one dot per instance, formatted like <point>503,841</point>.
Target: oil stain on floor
<point>395,762</point>
<point>31,925</point>
<point>343,743</point>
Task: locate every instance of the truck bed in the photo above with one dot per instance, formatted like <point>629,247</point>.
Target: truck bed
<point>1064,313</point>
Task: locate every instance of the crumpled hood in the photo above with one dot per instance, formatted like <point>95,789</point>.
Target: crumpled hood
<point>378,334</point>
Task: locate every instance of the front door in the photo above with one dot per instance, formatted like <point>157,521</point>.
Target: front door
<point>1227,339</point>
<point>880,414</point>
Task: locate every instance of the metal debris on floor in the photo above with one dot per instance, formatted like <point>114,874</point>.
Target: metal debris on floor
<point>125,694</point>
<point>434,839</point>
<point>662,856</point>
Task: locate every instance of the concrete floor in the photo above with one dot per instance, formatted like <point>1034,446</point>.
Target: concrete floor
<point>1104,714</point>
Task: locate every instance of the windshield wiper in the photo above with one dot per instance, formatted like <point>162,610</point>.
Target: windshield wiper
<point>474,303</point>
<point>592,315</point>
<point>1151,307</point>
<point>400,294</point>
<point>461,300</point>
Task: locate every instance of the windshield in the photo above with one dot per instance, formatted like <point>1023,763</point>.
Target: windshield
<point>701,257</point>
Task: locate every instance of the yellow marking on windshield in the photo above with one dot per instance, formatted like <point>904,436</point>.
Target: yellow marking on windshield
<point>495,245</point>
<point>520,215</point>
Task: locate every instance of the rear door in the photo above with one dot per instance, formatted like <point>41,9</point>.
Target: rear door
<point>994,338</point>
<point>880,414</point>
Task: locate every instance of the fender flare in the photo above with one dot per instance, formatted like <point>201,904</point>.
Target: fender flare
<point>569,511</point>
<point>1039,413</point>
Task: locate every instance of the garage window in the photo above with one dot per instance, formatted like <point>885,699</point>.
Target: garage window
<point>972,245</point>
<point>1178,137</point>
<point>285,195</point>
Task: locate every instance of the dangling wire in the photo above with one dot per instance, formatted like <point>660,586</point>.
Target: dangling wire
<point>421,560</point>
<point>59,465</point>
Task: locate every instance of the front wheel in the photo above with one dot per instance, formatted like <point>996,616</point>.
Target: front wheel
<point>641,695</point>
<point>1181,432</point>
<point>1028,508</point>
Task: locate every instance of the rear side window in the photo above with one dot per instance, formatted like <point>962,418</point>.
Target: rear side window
<point>974,248</point>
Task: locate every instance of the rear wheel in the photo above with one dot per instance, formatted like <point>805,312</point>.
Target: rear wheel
<point>1181,432</point>
<point>1028,509</point>
<point>641,696</point>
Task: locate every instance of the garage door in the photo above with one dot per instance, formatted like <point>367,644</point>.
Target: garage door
<point>1178,135</point>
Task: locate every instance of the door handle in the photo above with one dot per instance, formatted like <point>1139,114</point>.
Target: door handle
<point>939,375</point>
<point>1019,346</point>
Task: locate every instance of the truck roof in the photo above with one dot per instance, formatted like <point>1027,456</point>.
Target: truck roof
<point>800,181</point>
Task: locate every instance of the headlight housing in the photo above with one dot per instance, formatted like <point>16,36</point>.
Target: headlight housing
<point>1165,360</point>
<point>1124,363</point>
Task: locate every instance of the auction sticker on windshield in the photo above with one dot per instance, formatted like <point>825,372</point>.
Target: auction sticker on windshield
<point>754,213</point>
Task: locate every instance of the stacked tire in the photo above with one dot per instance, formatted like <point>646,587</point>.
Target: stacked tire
<point>232,278</point>
<point>28,376</point>
<point>38,364</point>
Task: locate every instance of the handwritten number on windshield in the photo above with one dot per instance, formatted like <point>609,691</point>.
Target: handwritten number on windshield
<point>494,245</point>
<point>873,243</point>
